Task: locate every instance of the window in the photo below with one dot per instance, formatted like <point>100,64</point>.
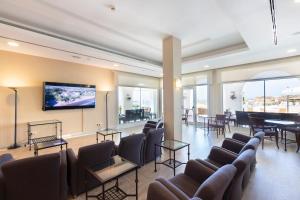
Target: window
<point>137,104</point>
<point>272,95</point>
<point>282,95</point>
<point>202,103</point>
<point>253,96</point>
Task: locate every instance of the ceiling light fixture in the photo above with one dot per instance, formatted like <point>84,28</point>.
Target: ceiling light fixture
<point>115,65</point>
<point>12,44</point>
<point>273,16</point>
<point>291,50</point>
<point>206,66</point>
<point>297,1</point>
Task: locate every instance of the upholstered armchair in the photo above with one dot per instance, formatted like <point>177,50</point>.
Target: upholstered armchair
<point>219,157</point>
<point>43,177</point>
<point>131,147</point>
<point>154,136</point>
<point>95,156</point>
<point>197,182</point>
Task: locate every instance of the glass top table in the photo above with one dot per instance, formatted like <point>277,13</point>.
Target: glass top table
<point>172,146</point>
<point>107,132</point>
<point>116,168</point>
<point>44,122</point>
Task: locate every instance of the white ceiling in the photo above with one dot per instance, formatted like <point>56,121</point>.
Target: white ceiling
<point>218,33</point>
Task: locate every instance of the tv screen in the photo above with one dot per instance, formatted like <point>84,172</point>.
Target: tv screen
<point>68,96</point>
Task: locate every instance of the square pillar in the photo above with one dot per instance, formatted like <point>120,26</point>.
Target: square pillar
<point>172,92</point>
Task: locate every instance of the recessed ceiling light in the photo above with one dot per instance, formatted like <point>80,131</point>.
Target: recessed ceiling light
<point>297,1</point>
<point>206,66</point>
<point>291,50</point>
<point>13,44</point>
<point>115,65</point>
<point>141,84</point>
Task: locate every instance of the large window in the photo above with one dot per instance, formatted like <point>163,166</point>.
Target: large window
<point>137,104</point>
<point>282,95</point>
<point>272,95</point>
<point>202,103</point>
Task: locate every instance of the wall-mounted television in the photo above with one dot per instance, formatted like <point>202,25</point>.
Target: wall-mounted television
<point>68,96</point>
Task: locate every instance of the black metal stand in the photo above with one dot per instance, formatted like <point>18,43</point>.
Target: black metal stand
<point>171,162</point>
<point>106,112</point>
<point>15,145</point>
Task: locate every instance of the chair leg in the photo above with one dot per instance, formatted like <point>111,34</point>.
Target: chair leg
<point>229,128</point>
<point>224,132</point>
<point>262,143</point>
<point>276,138</point>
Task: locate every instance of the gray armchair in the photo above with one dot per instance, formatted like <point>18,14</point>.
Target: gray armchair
<point>219,157</point>
<point>197,182</point>
<point>239,147</point>
<point>130,148</point>
<point>94,156</point>
<point>43,177</point>
<point>154,136</point>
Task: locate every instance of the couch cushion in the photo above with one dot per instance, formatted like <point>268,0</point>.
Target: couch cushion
<point>185,183</point>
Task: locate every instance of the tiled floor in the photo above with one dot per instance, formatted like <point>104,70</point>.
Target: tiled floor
<point>276,176</point>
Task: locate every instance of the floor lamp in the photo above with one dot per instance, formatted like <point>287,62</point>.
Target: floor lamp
<point>106,112</point>
<point>15,145</point>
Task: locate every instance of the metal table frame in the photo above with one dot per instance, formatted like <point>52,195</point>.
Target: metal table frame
<point>101,196</point>
<point>282,124</point>
<point>112,133</point>
<point>33,141</point>
<point>171,163</point>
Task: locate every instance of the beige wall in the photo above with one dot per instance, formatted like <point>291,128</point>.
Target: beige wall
<point>28,74</point>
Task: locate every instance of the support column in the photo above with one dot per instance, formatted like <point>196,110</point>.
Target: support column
<point>172,95</point>
<point>215,93</point>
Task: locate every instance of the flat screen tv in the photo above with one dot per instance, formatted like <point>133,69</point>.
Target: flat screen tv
<point>68,96</point>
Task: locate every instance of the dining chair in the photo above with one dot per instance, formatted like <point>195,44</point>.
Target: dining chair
<point>258,124</point>
<point>218,123</point>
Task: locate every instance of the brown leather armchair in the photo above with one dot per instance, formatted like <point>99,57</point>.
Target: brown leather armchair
<point>43,177</point>
<point>197,182</point>
<point>219,157</point>
<point>95,156</point>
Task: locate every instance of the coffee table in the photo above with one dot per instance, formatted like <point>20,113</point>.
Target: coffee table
<point>118,167</point>
<point>107,132</point>
<point>172,146</point>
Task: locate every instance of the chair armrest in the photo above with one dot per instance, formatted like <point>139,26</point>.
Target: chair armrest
<point>151,122</point>
<point>172,188</point>
<point>197,171</point>
<point>221,156</point>
<point>157,191</point>
<point>241,137</point>
<point>72,171</point>
<point>63,176</point>
<point>149,125</point>
<point>259,135</point>
<point>233,145</point>
<point>207,164</point>
<point>2,186</point>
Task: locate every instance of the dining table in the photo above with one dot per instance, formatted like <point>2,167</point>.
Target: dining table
<point>282,125</point>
